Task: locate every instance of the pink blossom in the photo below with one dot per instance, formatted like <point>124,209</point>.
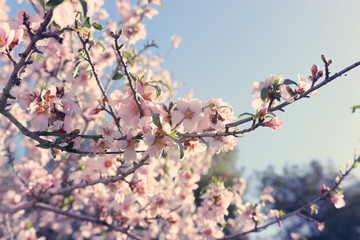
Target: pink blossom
<point>64,14</point>
<point>275,123</point>
<point>258,87</point>
<point>175,40</point>
<point>320,226</point>
<point>6,35</point>
<point>338,200</point>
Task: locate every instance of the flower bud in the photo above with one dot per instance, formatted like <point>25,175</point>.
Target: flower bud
<point>320,74</point>
<point>314,70</point>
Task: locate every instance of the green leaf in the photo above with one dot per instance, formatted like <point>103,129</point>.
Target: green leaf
<point>118,75</point>
<point>264,93</point>
<point>53,153</point>
<point>165,85</point>
<point>97,26</point>
<point>281,213</point>
<point>55,25</point>
<point>277,96</point>
<point>158,91</point>
<point>36,58</point>
<point>211,105</point>
<point>44,146</point>
<point>131,62</point>
<point>356,164</point>
<point>132,77</point>
<point>81,166</point>
<point>156,120</point>
<point>53,3</point>
<point>80,30</point>
<point>173,134</point>
<point>166,169</point>
<point>354,108</point>
<point>289,82</point>
<point>181,148</point>
<point>226,107</point>
<point>223,226</point>
<point>84,7</point>
<point>100,44</point>
<point>86,23</point>
<point>76,69</point>
<point>246,114</point>
<point>312,209</point>
<point>58,140</point>
<point>28,225</point>
<point>66,201</point>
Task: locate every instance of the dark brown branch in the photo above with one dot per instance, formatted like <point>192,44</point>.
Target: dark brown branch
<point>24,59</point>
<point>117,49</point>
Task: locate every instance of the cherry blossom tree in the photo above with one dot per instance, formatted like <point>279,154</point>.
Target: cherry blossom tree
<point>109,152</point>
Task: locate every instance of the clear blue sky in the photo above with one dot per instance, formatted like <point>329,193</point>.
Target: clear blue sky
<point>229,44</point>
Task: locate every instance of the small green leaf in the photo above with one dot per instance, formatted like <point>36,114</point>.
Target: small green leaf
<point>76,69</point>
<point>53,153</point>
<point>86,22</point>
<point>81,166</point>
<point>173,134</point>
<point>97,26</point>
<point>264,93</point>
<point>246,114</point>
<point>277,96</point>
<point>53,3</point>
<point>289,82</point>
<point>158,91</point>
<point>131,61</point>
<point>44,146</point>
<point>354,108</point>
<point>156,120</point>
<point>118,75</point>
<point>281,213</point>
<point>223,226</point>
<point>58,140</point>
<point>165,85</point>
<point>181,148</point>
<point>211,105</point>
<point>166,169</point>
<point>55,25</point>
<point>66,201</point>
<point>80,30</point>
<point>84,7</point>
<point>102,45</point>
<point>132,77</point>
<point>312,209</point>
<point>28,225</point>
<point>226,107</point>
<point>356,164</point>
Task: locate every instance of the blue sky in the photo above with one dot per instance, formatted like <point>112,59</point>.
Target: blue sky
<point>229,44</point>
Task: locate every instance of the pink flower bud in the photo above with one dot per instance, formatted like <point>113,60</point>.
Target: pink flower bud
<point>320,226</point>
<point>262,112</point>
<point>17,38</point>
<point>324,188</point>
<point>275,123</point>
<point>320,74</point>
<point>314,70</point>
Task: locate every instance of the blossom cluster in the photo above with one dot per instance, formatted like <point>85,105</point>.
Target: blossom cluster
<point>112,142</point>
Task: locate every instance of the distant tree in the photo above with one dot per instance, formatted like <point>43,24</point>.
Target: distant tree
<point>297,185</point>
